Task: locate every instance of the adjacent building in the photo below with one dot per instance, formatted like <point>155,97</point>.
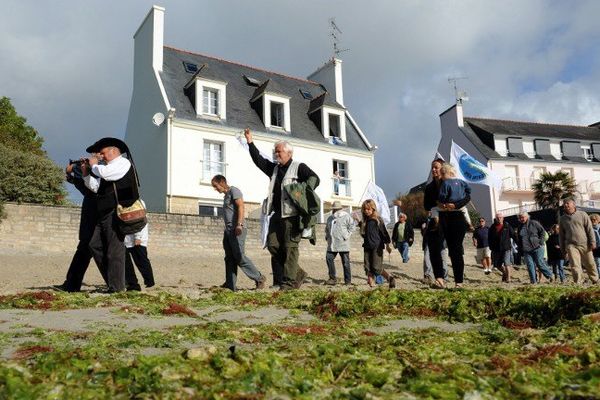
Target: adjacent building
<point>519,152</point>
<point>188,112</point>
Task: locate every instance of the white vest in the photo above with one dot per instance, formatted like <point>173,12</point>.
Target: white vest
<point>291,176</point>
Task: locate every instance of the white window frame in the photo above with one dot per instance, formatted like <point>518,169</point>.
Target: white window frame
<point>220,88</point>
<point>268,98</point>
<point>555,150</point>
<point>326,111</point>
<point>204,178</point>
<point>344,184</point>
<point>529,148</point>
<point>587,152</point>
<point>501,146</point>
<point>213,101</point>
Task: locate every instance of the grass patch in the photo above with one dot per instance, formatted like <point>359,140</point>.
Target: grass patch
<point>530,343</point>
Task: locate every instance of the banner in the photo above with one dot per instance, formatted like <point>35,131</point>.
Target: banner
<point>376,193</point>
<point>470,170</point>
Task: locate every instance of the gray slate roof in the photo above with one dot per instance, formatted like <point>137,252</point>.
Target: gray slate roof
<point>240,114</point>
<point>481,131</point>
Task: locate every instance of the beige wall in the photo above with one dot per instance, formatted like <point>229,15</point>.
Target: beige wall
<point>47,228</point>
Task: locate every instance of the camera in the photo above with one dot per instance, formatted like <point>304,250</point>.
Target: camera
<point>78,161</point>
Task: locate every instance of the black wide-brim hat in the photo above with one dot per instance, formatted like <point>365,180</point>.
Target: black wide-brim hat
<point>108,142</point>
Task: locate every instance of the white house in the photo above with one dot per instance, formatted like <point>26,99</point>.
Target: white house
<point>518,152</point>
<point>188,111</point>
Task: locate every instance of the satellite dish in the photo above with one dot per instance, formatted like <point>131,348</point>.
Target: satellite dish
<point>158,119</point>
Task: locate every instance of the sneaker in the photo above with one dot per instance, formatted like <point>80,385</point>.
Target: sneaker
<point>348,283</point>
<point>487,271</point>
<point>260,284</point>
<point>392,282</point>
<point>331,282</point>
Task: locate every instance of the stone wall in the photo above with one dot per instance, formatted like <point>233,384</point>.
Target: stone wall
<point>54,229</point>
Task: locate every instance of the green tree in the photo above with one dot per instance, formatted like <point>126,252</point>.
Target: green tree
<point>14,131</point>
<point>551,189</point>
<point>26,172</point>
<point>411,204</point>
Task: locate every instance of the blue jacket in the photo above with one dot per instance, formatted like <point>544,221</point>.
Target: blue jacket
<point>453,190</point>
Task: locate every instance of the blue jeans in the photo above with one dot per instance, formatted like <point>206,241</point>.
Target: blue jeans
<point>558,268</point>
<point>403,249</point>
<point>345,256</point>
<point>597,260</point>
<point>535,258</point>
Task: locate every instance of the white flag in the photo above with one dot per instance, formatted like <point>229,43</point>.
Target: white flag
<point>242,141</point>
<point>376,193</point>
<point>470,170</point>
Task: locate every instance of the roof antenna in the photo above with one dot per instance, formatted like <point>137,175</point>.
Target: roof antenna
<point>335,35</point>
<point>459,95</point>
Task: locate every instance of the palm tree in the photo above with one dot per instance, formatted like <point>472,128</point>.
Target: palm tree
<point>550,189</point>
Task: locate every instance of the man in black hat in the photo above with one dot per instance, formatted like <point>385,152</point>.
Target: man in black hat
<point>115,178</point>
<point>83,256</point>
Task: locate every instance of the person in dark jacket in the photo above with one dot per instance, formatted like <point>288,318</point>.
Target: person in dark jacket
<point>375,239</point>
<point>530,234</point>
<point>83,256</point>
<point>499,237</point>
<point>403,236</point>
<point>451,221</point>
<point>555,255</point>
<point>284,233</point>
<point>116,177</point>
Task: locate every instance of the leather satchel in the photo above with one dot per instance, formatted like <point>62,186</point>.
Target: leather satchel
<point>132,219</point>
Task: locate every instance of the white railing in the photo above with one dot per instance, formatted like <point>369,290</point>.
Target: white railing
<point>512,184</point>
<point>341,187</point>
<point>517,209</point>
<point>594,187</point>
<point>582,187</point>
<point>588,203</point>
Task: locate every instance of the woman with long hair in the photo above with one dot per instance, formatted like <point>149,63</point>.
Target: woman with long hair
<point>452,224</point>
<point>375,238</point>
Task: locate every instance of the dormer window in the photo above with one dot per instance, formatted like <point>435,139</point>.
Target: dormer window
<point>329,117</point>
<point>272,106</point>
<point>208,97</point>
<point>333,123</point>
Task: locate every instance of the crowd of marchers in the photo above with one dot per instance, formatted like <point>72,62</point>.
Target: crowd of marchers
<point>108,181</point>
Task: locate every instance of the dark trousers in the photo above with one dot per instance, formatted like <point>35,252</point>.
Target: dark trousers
<point>79,265</point>
<point>234,257</point>
<point>454,227</point>
<point>282,242</point>
<point>140,258</point>
<point>345,256</point>
<point>108,251</point>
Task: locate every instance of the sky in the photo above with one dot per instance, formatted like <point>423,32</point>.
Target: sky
<point>67,66</point>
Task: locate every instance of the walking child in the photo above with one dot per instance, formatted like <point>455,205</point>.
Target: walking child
<point>376,238</point>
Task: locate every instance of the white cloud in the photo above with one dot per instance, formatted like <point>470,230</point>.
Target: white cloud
<point>67,65</point>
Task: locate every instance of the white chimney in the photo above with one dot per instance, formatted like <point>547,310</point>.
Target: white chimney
<point>148,39</point>
<point>330,76</point>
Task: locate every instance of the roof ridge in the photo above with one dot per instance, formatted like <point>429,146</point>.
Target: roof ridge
<point>531,122</point>
<point>242,65</point>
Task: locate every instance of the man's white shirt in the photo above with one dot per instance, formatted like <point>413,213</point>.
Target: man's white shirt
<point>112,171</point>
